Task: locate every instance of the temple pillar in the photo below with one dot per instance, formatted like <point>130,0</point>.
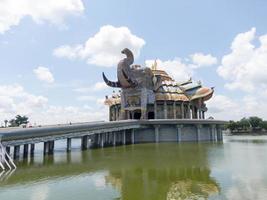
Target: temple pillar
<point>155,110</point>
<point>156,133</point>
<point>203,114</point>
<point>165,110</point>
<point>174,110</point>
<point>200,114</point>
<point>179,132</point>
<point>182,110</point>
<point>188,111</point>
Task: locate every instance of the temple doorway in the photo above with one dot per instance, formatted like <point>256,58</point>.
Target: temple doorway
<point>151,115</point>
<point>137,114</point>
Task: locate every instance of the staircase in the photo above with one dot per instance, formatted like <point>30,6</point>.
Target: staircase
<point>6,162</point>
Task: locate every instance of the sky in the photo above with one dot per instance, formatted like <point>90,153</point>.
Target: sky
<point>52,53</point>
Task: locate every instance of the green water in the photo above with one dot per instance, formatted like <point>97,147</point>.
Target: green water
<point>235,169</point>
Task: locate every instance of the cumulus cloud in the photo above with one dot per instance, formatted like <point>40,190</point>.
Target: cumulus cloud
<point>13,11</point>
<point>44,74</point>
<point>245,67</point>
<point>15,100</point>
<point>103,49</point>
<point>224,107</point>
<point>200,59</point>
<point>98,86</point>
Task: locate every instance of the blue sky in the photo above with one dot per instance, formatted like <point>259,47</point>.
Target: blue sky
<point>50,74</point>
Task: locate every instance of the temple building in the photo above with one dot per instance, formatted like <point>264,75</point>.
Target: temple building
<point>150,93</point>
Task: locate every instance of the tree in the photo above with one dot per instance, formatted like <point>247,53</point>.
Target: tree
<point>255,122</point>
<point>19,120</point>
<point>6,121</point>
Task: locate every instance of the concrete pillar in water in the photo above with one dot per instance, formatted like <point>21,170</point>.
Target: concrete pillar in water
<point>25,150</point>
<point>124,137</point>
<point>68,144</point>
<point>132,136</point>
<point>51,145</point>
<point>213,132</point>
<point>16,152</point>
<point>84,142</point>
<point>45,151</point>
<point>199,126</point>
<point>179,132</point>
<point>8,150</point>
<point>114,138</point>
<point>32,147</point>
<point>102,136</point>
<point>156,127</point>
<point>165,110</point>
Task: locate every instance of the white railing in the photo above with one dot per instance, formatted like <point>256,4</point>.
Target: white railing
<point>6,161</point>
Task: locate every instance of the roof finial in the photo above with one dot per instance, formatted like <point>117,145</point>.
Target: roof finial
<point>155,65</point>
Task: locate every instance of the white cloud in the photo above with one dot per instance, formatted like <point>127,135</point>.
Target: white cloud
<point>200,59</point>
<point>223,107</point>
<point>13,11</point>
<point>176,68</point>
<point>245,68</point>
<point>98,86</point>
<point>15,100</point>
<point>44,74</point>
<point>103,49</point>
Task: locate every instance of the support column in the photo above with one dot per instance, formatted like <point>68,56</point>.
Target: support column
<point>155,110</point>
<point>203,114</point>
<point>132,136</point>
<point>25,150</point>
<point>114,138</point>
<point>213,132</point>
<point>198,132</point>
<point>45,151</point>
<point>182,109</point>
<point>188,111</point>
<point>102,136</point>
<point>84,142</point>
<point>174,110</point>
<point>68,144</point>
<point>165,110</point>
<point>51,145</point>
<point>156,127</point>
<point>32,148</point>
<point>179,132</point>
<point>8,150</point>
<point>124,137</point>
<point>16,152</point>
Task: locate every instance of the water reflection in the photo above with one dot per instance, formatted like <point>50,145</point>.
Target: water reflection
<point>145,171</point>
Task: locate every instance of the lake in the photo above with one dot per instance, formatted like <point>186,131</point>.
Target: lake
<point>235,169</point>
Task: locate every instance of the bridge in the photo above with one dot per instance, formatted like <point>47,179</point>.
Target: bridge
<point>102,134</point>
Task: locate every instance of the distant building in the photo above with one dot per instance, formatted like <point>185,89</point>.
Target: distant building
<point>150,93</point>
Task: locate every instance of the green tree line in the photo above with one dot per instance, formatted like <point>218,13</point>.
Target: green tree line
<point>247,124</point>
